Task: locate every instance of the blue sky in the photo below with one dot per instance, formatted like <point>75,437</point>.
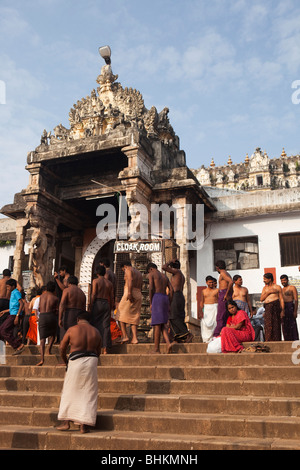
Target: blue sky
<point>224,68</point>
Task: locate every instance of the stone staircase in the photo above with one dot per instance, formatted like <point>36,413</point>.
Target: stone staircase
<point>187,400</point>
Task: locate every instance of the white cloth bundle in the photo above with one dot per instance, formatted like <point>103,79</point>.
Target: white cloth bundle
<point>214,347</point>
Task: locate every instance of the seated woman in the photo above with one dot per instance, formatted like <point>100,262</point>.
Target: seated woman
<point>237,330</point>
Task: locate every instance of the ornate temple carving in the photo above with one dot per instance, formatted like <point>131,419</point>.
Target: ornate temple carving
<point>114,146</point>
<point>111,108</point>
<point>257,173</point>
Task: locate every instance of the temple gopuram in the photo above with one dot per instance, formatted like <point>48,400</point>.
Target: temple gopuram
<point>114,147</point>
<point>256,173</point>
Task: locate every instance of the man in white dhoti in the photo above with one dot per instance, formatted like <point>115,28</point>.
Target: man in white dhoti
<point>208,309</point>
<point>79,398</point>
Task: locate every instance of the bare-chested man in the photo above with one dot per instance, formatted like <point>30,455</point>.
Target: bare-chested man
<point>48,318</point>
<point>274,308</point>
<point>102,302</point>
<point>177,311</point>
<point>79,398</point>
<point>62,277</point>
<point>73,302</point>
<point>4,295</point>
<point>159,284</point>
<point>208,309</point>
<point>109,274</point>
<point>241,295</point>
<point>129,310</point>
<point>290,298</point>
<point>225,294</point>
<point>12,317</point>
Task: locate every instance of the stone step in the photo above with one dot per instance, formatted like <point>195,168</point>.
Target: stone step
<point>201,424</point>
<point>176,360</point>
<point>260,427</point>
<point>189,348</point>
<point>40,438</point>
<point>271,388</point>
<point>201,359</point>
<point>202,373</point>
<point>232,405</point>
<point>196,347</point>
<point>185,400</point>
<point>203,387</point>
<point>248,372</point>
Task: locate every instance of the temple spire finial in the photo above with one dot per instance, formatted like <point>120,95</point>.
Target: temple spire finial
<point>105,52</point>
<point>283,155</point>
<point>106,78</point>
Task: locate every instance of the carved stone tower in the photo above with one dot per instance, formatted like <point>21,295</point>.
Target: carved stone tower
<point>114,146</point>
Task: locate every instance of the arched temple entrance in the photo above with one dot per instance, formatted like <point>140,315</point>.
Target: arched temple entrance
<point>114,145</point>
<point>88,261</point>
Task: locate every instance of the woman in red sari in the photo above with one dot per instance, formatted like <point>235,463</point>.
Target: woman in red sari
<point>237,330</point>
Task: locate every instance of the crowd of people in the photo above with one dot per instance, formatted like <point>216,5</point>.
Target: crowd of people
<point>223,305</point>
<point>58,312</point>
<point>52,309</point>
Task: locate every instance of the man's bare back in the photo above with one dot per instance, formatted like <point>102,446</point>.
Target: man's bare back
<point>134,276</point>
<point>102,288</point>
<point>159,282</point>
<point>48,303</point>
<point>110,276</point>
<point>73,297</point>
<point>177,279</point>
<point>133,280</point>
<point>4,292</point>
<point>81,337</point>
<point>225,280</point>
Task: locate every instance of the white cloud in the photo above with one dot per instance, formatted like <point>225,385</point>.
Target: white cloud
<point>219,66</point>
<point>14,27</point>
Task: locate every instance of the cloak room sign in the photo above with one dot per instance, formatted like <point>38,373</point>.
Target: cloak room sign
<point>138,247</point>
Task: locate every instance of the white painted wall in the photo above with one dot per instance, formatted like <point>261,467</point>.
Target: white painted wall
<point>6,252</point>
<point>267,228</point>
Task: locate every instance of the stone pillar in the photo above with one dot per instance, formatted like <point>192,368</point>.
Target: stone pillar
<point>19,255</point>
<point>136,179</point>
<point>42,250</point>
<point>181,239</point>
<point>77,243</point>
<point>41,256</point>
